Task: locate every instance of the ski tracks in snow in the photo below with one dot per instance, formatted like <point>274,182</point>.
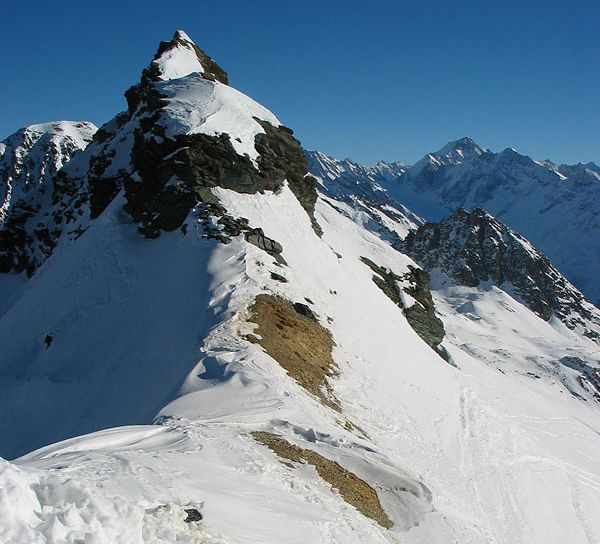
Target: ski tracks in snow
<point>485,447</point>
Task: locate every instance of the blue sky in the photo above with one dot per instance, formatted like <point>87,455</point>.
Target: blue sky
<point>368,80</point>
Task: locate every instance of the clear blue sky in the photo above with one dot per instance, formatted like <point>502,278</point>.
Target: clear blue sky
<point>373,80</point>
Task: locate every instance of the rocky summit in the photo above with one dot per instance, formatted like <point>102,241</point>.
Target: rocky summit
<point>209,335</point>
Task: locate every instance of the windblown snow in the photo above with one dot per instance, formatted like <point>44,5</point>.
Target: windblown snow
<point>199,106</point>
<point>180,61</point>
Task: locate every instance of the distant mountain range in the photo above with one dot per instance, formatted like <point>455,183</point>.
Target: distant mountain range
<point>557,207</point>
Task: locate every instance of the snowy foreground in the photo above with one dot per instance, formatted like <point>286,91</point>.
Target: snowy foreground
<point>135,391</point>
<point>477,452</point>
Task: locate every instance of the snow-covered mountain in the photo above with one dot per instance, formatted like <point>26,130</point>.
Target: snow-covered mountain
<point>32,155</point>
<point>557,207</point>
<point>363,189</point>
<point>29,160</point>
<point>256,362</point>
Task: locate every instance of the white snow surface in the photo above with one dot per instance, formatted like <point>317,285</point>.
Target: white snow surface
<point>196,105</point>
<point>179,61</point>
<point>472,453</point>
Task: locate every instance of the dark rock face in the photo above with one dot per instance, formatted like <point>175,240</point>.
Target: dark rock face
<point>589,376</point>
<point>421,315</point>
<point>257,237</point>
<point>178,173</point>
<point>200,162</point>
<point>193,515</point>
<point>387,281</point>
<point>472,247</point>
<point>16,241</point>
<point>219,225</point>
<point>282,157</point>
<point>303,309</point>
<point>278,277</point>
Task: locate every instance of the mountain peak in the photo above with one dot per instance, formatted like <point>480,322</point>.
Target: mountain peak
<point>182,35</point>
<point>180,57</point>
<point>460,149</point>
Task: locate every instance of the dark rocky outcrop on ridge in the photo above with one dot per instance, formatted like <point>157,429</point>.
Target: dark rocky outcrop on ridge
<point>421,315</point>
<point>473,247</point>
<point>200,162</point>
<point>589,376</point>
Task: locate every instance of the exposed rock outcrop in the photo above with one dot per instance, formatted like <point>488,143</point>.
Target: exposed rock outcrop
<point>298,342</point>
<point>473,247</point>
<point>589,376</point>
<point>352,489</point>
<point>421,314</point>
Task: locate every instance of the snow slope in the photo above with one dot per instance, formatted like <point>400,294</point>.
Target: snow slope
<point>143,341</point>
<point>199,106</point>
<point>468,432</point>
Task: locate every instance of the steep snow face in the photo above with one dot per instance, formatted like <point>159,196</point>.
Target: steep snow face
<point>180,60</point>
<point>181,57</point>
<point>30,156</point>
<point>198,106</point>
